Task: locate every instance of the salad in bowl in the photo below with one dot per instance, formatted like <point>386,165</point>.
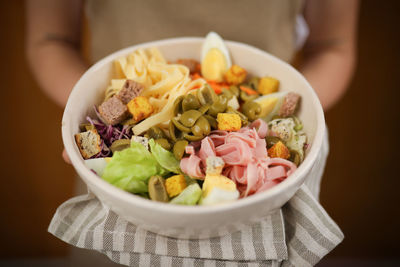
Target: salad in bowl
<point>157,128</point>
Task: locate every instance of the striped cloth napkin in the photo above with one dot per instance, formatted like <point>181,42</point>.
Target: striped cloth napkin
<point>301,233</point>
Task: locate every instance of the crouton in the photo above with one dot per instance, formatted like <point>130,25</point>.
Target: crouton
<point>289,104</point>
<point>229,122</point>
<point>88,143</point>
<point>268,85</point>
<point>279,150</point>
<point>113,111</point>
<point>129,91</point>
<point>235,75</point>
<point>175,185</point>
<point>140,108</point>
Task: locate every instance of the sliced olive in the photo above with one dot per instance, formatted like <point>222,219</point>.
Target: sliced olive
<point>180,126</point>
<point>206,95</point>
<point>179,148</point>
<point>253,83</point>
<point>245,97</point>
<point>189,102</point>
<point>120,144</point>
<point>190,117</point>
<point>155,133</point>
<point>227,93</point>
<point>201,127</point>
<point>203,109</point>
<point>164,143</point>
<point>192,138</point>
<point>85,127</point>
<point>130,121</point>
<point>218,106</point>
<point>272,140</point>
<point>235,90</point>
<point>212,121</point>
<point>157,190</point>
<point>174,133</point>
<point>251,109</point>
<point>294,157</point>
<point>177,107</point>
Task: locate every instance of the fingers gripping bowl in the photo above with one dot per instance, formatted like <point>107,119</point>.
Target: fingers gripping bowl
<point>188,221</point>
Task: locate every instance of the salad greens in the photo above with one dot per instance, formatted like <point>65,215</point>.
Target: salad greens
<point>131,168</point>
<point>164,157</point>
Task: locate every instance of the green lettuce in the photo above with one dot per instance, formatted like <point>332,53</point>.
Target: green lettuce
<point>164,157</point>
<point>131,168</point>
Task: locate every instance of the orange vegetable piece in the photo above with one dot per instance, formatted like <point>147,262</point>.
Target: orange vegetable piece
<point>248,90</point>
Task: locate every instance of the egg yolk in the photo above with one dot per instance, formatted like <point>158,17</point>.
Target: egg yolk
<point>267,106</point>
<point>214,65</point>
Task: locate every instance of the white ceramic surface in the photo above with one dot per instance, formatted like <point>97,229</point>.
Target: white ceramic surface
<point>193,221</point>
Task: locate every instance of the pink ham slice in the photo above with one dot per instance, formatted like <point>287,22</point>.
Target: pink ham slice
<point>245,156</point>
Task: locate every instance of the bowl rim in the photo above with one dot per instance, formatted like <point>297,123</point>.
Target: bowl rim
<point>130,198</point>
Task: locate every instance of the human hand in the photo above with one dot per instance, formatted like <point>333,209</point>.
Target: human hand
<point>66,157</point>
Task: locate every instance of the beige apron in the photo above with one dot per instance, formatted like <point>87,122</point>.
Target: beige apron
<point>266,24</point>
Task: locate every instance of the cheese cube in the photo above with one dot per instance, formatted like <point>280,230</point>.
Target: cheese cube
<point>229,122</point>
<point>175,185</point>
<point>268,85</point>
<point>140,108</point>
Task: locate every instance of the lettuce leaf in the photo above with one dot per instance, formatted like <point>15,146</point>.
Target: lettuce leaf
<point>131,168</point>
<point>164,157</point>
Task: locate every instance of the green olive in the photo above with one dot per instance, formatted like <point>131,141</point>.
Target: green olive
<point>212,121</point>
<point>218,106</point>
<point>86,127</point>
<point>203,109</point>
<point>129,122</point>
<point>174,133</point>
<point>179,148</point>
<point>164,143</point>
<point>177,107</point>
<point>155,133</point>
<point>201,127</point>
<point>243,117</point>
<point>206,95</point>
<point>189,102</point>
<point>227,93</point>
<point>190,117</point>
<point>298,125</point>
<point>253,82</point>
<point>251,109</point>
<point>120,144</point>
<point>157,190</point>
<point>235,90</point>
<point>192,138</point>
<point>294,157</point>
<point>180,126</point>
<point>272,140</point>
<point>245,97</point>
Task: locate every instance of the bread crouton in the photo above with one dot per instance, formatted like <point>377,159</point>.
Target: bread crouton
<point>113,111</point>
<point>140,108</point>
<point>88,143</point>
<point>175,185</point>
<point>279,150</point>
<point>129,91</point>
<point>268,85</point>
<point>235,75</point>
<point>229,122</point>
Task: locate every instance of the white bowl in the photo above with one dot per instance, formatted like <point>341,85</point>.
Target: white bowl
<point>193,221</point>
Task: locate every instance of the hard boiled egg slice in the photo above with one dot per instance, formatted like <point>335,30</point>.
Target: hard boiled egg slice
<point>97,164</point>
<point>270,104</point>
<point>218,189</point>
<point>215,59</point>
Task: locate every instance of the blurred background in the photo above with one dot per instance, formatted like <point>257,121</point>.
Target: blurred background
<point>360,187</point>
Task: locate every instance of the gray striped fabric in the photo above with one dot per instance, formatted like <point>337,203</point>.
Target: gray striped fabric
<point>299,234</point>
